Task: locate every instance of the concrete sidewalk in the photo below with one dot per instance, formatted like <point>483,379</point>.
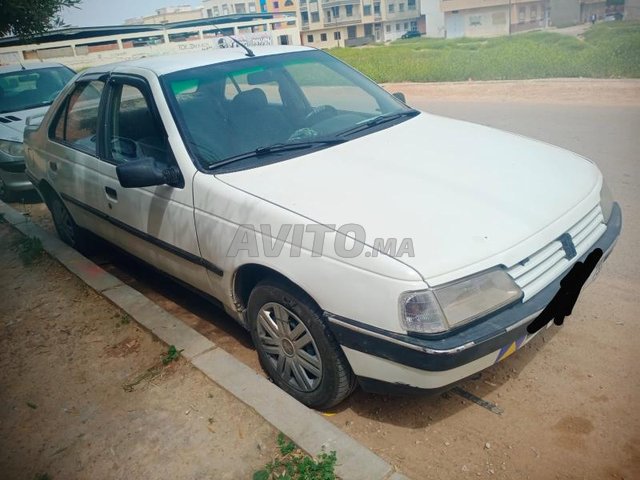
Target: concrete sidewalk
<point>304,426</point>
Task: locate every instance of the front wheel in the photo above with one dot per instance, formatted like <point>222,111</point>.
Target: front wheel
<point>295,347</point>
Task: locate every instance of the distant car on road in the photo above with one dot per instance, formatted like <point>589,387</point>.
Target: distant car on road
<point>359,240</point>
<point>411,34</point>
<point>613,17</point>
<point>24,91</point>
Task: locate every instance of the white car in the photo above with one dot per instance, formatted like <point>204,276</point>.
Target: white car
<point>359,240</point>
<point>25,90</point>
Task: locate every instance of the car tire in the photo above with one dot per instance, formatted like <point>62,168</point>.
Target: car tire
<point>68,231</point>
<point>295,346</point>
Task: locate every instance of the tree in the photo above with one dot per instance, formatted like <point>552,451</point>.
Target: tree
<point>30,18</point>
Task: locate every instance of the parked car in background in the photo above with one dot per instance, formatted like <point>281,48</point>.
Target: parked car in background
<point>223,168</point>
<point>411,34</point>
<point>25,90</point>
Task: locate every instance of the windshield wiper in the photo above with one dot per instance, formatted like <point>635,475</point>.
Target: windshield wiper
<point>276,148</point>
<point>372,122</point>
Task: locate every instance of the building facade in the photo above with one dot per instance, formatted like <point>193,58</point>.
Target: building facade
<point>218,8</point>
<point>483,18</point>
<point>572,12</point>
<point>180,13</point>
<point>333,23</point>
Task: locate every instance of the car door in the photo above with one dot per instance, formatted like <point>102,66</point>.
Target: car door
<point>154,223</point>
<point>73,164</point>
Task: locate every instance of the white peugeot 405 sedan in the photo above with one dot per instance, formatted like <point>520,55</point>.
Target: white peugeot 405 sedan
<point>360,241</point>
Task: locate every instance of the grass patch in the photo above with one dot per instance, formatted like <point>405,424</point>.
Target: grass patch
<point>293,464</point>
<point>608,50</point>
<point>29,249</point>
<point>172,355</point>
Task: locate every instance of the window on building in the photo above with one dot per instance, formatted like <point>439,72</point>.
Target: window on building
<point>475,20</point>
<point>411,4</point>
<point>522,14</point>
<point>406,26</point>
<point>240,8</point>
<point>376,9</point>
<point>414,25</point>
<point>387,28</point>
<point>398,26</point>
<point>368,29</point>
<point>305,17</point>
<point>337,36</point>
<point>309,38</point>
<point>209,13</point>
<point>366,10</point>
<point>323,37</point>
<point>392,8</point>
<point>216,11</point>
<point>252,7</point>
<point>401,7</point>
<point>225,10</point>
<point>288,3</point>
<point>349,9</point>
<point>315,17</point>
<point>336,12</point>
<point>276,4</point>
<point>533,12</point>
<point>351,32</point>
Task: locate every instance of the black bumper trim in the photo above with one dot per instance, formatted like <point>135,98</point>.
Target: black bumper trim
<point>464,346</point>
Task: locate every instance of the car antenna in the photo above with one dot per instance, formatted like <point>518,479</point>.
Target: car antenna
<point>237,42</point>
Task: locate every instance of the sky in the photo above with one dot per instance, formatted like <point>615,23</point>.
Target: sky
<point>113,12</point>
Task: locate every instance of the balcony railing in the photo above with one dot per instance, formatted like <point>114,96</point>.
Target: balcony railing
<point>337,3</point>
<point>341,21</point>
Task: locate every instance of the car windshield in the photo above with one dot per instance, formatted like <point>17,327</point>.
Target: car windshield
<point>32,88</point>
<point>259,106</point>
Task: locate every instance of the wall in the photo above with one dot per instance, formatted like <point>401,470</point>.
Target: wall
<point>565,12</point>
<point>114,48</point>
<point>479,22</point>
<point>434,18</point>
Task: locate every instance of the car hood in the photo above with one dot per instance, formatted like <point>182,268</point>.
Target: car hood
<point>469,197</point>
<point>13,130</point>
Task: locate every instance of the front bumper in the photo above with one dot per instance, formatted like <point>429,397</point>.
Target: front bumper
<point>378,355</point>
<point>13,176</point>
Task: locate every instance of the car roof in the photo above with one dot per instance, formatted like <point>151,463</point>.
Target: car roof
<point>28,66</point>
<point>163,64</point>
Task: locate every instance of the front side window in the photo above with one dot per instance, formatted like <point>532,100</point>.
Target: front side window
<point>250,106</point>
<point>77,122</point>
<point>26,89</point>
<point>133,130</point>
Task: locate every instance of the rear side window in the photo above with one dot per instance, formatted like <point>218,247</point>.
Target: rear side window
<point>77,125</point>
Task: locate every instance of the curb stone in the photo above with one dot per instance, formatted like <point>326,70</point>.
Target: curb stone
<point>302,425</point>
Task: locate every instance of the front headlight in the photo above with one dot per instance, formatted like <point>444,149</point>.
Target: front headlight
<point>440,309</point>
<point>606,201</point>
<point>13,149</point>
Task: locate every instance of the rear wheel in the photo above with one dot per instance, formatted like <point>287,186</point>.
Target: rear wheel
<point>295,347</point>
<point>68,231</point>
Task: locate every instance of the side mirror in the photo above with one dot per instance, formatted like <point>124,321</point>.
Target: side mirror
<point>400,96</point>
<point>34,121</point>
<point>147,172</point>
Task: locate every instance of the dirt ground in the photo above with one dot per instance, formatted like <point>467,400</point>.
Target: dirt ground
<point>570,396</point>
<point>84,393</point>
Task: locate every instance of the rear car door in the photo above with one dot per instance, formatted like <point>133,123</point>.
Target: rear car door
<point>154,223</point>
<point>72,163</point>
